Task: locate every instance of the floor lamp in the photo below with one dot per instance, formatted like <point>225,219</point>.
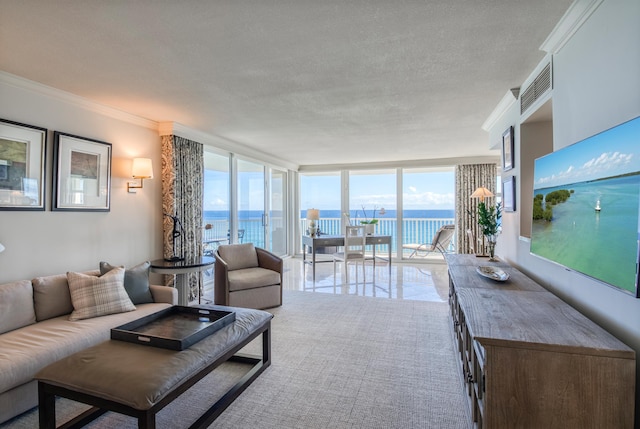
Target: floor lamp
<point>482,193</point>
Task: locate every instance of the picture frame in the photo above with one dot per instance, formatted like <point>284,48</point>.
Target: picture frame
<point>82,174</point>
<point>507,149</point>
<point>23,150</point>
<point>509,194</point>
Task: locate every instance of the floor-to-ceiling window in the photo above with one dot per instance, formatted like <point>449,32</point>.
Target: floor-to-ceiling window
<point>250,191</point>
<point>320,191</point>
<point>372,197</point>
<point>216,200</point>
<point>428,202</point>
<point>277,219</point>
<point>410,204</point>
<point>216,204</point>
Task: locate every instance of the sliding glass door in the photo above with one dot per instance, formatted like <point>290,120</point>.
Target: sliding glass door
<point>216,201</point>
<point>428,203</point>
<point>277,219</point>
<point>251,214</point>
<point>373,202</point>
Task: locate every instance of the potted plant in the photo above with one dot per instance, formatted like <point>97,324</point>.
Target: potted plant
<point>488,219</point>
<point>370,224</point>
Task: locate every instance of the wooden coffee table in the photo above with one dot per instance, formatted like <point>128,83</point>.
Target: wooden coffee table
<point>138,380</point>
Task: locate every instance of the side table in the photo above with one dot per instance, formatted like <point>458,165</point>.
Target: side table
<point>181,269</point>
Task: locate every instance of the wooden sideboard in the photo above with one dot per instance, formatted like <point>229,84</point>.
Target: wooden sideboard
<point>529,360</point>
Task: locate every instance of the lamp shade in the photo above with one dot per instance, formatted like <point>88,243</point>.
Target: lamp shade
<point>1,247</point>
<point>482,193</point>
<point>313,214</point>
<point>142,168</point>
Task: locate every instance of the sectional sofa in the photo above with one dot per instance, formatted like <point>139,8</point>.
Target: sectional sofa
<point>48,318</point>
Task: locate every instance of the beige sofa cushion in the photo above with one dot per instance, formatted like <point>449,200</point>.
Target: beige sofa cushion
<point>16,305</point>
<point>51,297</point>
<point>238,256</point>
<point>250,278</point>
<point>98,296</point>
<point>25,351</point>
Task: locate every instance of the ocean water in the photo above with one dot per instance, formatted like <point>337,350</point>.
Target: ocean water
<point>336,214</point>
<point>602,245</point>
<point>414,226</point>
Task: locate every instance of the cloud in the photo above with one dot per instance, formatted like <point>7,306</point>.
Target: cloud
<point>606,163</point>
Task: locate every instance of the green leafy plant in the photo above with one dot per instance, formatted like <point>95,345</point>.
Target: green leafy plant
<point>488,218</point>
<point>373,219</point>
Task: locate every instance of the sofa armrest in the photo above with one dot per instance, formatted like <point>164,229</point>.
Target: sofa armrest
<point>269,260</point>
<point>164,294</point>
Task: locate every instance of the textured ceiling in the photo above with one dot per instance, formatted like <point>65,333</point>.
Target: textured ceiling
<point>307,81</point>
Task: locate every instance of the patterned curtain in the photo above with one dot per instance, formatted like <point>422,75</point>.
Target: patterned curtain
<point>468,179</point>
<point>182,185</point>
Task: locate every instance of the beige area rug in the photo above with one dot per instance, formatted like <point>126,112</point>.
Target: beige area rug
<point>339,361</point>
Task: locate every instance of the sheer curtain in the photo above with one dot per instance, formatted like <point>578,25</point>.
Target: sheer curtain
<point>468,178</point>
<point>182,184</point>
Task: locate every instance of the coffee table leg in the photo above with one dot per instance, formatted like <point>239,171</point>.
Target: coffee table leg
<point>46,408</point>
<point>147,421</point>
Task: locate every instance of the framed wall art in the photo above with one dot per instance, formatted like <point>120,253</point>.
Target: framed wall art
<point>82,174</point>
<point>509,194</point>
<point>22,166</point>
<point>507,149</point>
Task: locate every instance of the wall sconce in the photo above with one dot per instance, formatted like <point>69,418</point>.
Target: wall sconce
<point>1,248</point>
<point>141,169</point>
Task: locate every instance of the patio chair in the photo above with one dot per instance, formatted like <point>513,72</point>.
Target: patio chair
<point>441,242</point>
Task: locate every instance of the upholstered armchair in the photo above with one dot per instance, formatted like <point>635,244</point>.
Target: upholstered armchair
<point>247,276</point>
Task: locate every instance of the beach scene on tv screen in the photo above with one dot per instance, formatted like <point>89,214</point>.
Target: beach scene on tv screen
<point>587,203</point>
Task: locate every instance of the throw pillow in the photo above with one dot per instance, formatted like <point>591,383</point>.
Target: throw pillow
<point>136,281</point>
<point>98,296</point>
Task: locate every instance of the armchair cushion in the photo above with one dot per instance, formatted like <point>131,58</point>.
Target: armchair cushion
<point>238,256</point>
<point>250,278</point>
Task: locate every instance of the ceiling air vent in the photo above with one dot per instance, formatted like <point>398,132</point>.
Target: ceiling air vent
<point>540,85</point>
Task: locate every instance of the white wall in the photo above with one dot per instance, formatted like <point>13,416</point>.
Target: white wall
<point>47,242</point>
<point>596,86</point>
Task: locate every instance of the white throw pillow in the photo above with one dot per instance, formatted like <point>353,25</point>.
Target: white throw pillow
<point>98,296</point>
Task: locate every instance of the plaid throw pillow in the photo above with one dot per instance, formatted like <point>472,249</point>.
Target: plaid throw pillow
<point>93,296</point>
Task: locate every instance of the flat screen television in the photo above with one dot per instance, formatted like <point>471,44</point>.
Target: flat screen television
<point>586,206</point>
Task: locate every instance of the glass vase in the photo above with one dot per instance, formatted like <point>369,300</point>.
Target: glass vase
<point>491,246</point>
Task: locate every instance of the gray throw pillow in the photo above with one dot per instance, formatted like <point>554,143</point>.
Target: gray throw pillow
<point>136,281</point>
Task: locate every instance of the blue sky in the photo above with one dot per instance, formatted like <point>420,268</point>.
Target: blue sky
<point>421,190</point>
<point>610,153</point>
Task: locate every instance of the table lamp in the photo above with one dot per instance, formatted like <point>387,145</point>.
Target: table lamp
<point>312,216</point>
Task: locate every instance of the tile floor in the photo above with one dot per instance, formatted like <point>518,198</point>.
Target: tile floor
<point>412,281</point>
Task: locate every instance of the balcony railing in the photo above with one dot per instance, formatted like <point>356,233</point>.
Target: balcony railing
<point>414,230</point>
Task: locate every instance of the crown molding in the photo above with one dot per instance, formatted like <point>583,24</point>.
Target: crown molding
<point>571,21</point>
<point>174,128</point>
<point>81,102</point>
<point>421,163</point>
<point>503,106</point>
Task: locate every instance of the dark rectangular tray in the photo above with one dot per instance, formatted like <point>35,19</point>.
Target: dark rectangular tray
<point>174,328</point>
